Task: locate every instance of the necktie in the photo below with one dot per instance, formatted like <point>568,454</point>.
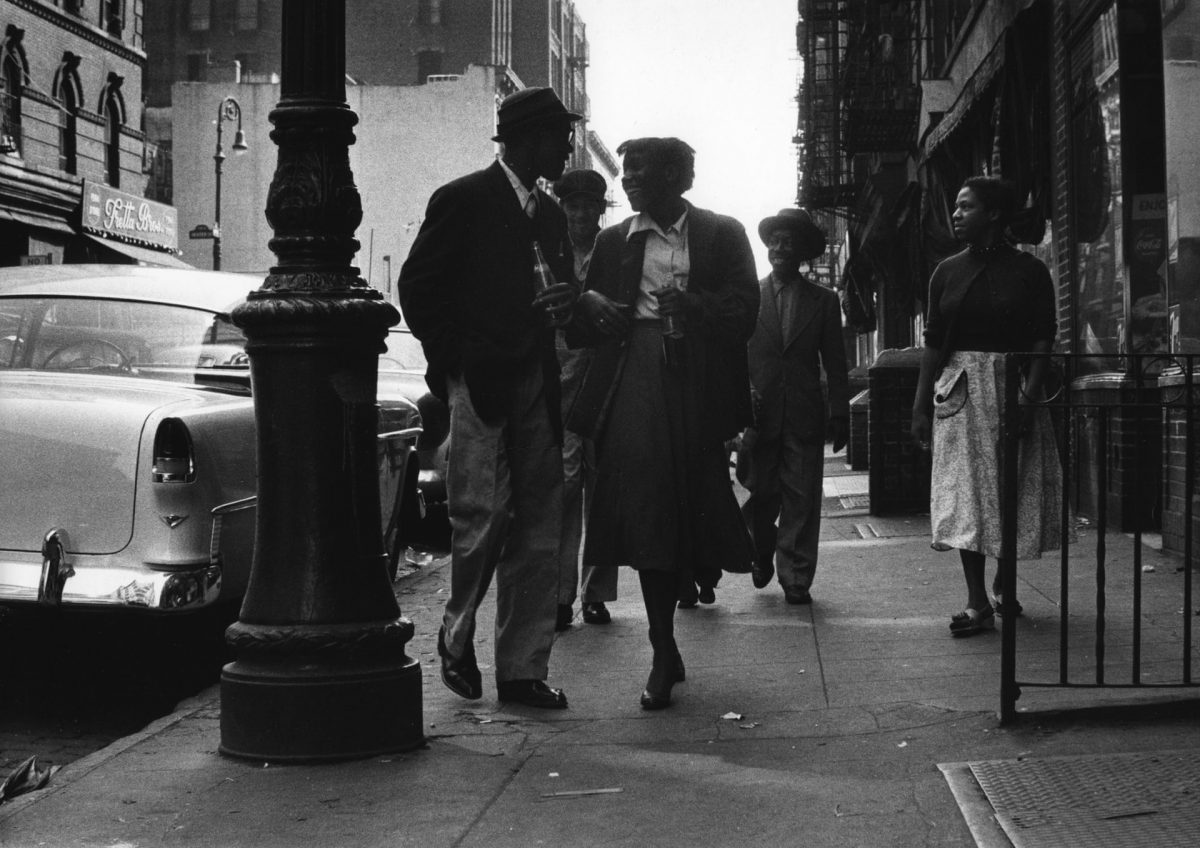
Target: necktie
<point>787,307</point>
<point>531,206</point>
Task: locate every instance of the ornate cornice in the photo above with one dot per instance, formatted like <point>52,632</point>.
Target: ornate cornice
<point>84,30</point>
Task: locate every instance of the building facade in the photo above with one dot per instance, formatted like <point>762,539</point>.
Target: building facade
<point>74,157</point>
<point>1090,107</point>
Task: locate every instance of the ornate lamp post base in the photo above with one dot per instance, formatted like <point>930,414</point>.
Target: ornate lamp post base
<point>313,708</point>
<point>321,673</point>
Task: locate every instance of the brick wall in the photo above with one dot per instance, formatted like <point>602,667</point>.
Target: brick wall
<point>49,33</point>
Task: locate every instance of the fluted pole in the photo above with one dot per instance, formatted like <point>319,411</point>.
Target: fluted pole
<point>321,671</point>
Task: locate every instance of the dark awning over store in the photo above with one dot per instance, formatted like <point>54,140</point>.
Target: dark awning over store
<point>143,255</point>
<point>34,219</point>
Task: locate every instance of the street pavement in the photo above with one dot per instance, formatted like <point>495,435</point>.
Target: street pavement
<point>857,721</point>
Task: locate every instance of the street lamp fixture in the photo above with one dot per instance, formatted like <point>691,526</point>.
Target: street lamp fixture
<point>228,110</point>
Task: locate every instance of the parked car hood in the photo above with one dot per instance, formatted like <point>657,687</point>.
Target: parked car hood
<point>69,455</point>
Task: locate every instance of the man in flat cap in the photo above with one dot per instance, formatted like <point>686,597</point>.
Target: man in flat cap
<point>799,332</point>
<point>583,194</point>
<point>467,291</point>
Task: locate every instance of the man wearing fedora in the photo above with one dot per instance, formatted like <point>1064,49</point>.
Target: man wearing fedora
<point>583,194</point>
<point>467,291</point>
<point>799,332</point>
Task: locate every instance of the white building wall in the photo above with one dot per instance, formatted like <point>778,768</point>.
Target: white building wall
<point>409,141</point>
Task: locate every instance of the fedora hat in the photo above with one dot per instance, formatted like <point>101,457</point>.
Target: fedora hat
<point>582,181</point>
<point>529,107</point>
<point>810,240</point>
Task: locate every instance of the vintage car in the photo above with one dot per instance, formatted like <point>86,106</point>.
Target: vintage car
<point>402,372</point>
<point>127,440</point>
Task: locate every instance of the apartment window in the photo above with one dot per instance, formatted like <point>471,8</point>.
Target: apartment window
<point>247,15</point>
<point>197,66</point>
<point>429,12</point>
<point>11,138</point>
<point>200,15</point>
<point>75,7</point>
<point>67,91</point>
<point>429,63</point>
<point>113,16</point>
<point>113,109</point>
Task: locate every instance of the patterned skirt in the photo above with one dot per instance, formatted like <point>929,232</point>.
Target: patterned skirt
<point>966,486</point>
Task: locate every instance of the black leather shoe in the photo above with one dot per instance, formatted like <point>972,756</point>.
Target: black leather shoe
<point>461,675</point>
<point>563,621</point>
<point>532,693</point>
<point>596,613</point>
<point>763,571</point>
<point>707,595</point>
<point>797,596</point>
<point>688,597</point>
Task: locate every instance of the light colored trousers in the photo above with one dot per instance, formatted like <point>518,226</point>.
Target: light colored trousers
<point>504,491</point>
<point>579,469</point>
<point>785,483</point>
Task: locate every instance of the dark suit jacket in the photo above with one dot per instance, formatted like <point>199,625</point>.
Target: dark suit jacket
<point>467,285</point>
<point>787,372</point>
<point>723,277</point>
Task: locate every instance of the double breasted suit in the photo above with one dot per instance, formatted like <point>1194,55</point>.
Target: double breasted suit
<point>787,460</point>
<point>466,291</point>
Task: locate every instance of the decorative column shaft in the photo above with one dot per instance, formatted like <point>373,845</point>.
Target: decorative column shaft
<point>321,671</point>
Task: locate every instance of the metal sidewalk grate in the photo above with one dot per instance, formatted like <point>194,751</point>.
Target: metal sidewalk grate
<point>1138,800</point>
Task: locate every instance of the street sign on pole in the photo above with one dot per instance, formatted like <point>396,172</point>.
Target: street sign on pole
<point>201,231</point>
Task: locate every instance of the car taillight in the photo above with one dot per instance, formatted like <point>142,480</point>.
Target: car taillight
<point>173,458</point>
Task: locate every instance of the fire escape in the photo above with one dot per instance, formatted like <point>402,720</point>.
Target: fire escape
<point>860,103</point>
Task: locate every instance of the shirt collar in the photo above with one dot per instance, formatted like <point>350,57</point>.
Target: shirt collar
<point>515,181</point>
<point>643,222</point>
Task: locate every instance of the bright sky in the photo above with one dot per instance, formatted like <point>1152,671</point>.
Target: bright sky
<point>718,74</point>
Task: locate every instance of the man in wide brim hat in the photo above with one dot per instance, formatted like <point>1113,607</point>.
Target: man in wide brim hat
<point>797,345</point>
<point>530,107</point>
<point>809,240</point>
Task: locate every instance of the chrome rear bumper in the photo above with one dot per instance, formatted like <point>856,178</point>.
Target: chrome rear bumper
<point>64,579</point>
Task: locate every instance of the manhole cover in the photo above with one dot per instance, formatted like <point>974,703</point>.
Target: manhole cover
<point>1137,800</point>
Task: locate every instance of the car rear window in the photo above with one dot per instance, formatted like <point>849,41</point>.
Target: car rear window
<point>116,336</point>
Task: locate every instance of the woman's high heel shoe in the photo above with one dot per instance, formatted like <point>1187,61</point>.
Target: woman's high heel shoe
<point>664,674</point>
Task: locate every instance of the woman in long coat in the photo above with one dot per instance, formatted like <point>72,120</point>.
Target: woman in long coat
<point>661,407</point>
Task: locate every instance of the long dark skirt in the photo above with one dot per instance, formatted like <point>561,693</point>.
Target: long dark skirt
<point>663,500</point>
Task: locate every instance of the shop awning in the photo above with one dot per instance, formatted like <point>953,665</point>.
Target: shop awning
<point>976,86</point>
<point>143,255</point>
<point>35,219</point>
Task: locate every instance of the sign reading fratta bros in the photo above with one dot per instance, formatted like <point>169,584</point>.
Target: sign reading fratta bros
<point>114,213</point>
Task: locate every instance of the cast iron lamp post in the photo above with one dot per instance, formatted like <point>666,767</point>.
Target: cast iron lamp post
<point>228,110</point>
<point>321,672</point>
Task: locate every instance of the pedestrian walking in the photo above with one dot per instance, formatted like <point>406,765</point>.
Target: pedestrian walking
<point>985,301</point>
<point>669,305</point>
<point>798,335</point>
<point>583,194</point>
<point>468,290</point>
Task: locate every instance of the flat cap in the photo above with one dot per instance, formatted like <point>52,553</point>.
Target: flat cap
<point>583,181</point>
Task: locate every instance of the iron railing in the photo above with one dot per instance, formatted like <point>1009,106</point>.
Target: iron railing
<point>1127,451</point>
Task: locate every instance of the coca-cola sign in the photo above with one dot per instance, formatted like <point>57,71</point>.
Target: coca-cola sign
<point>1149,243</point>
<point>114,213</point>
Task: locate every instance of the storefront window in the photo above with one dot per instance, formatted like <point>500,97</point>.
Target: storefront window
<point>1181,84</point>
<point>1096,130</point>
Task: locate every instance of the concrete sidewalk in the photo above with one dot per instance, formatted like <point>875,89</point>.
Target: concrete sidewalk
<point>821,725</point>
